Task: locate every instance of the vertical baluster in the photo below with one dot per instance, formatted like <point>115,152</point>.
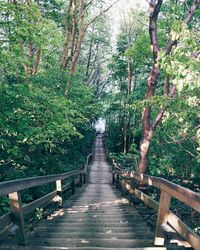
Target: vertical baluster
<point>84,178</point>
<point>73,185</point>
<point>117,181</point>
<point>163,213</point>
<point>81,180</point>
<point>59,191</point>
<point>113,178</point>
<point>17,212</point>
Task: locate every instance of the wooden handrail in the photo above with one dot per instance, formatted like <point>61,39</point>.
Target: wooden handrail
<point>185,195</point>
<point>7,187</point>
<point>116,167</point>
<point>18,210</point>
<point>168,190</point>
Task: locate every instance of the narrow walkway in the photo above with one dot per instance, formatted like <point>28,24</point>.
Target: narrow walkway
<point>95,218</point>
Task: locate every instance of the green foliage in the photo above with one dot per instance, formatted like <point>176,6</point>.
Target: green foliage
<point>174,151</point>
<point>37,128</point>
<point>140,51</point>
<point>41,131</point>
<point>182,65</point>
<point>39,213</point>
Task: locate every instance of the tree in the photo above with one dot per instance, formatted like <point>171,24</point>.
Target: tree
<point>149,127</point>
<point>79,14</point>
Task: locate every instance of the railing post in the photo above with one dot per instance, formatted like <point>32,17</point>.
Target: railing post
<point>117,181</point>
<point>163,213</point>
<point>84,178</point>
<point>73,185</point>
<point>17,212</point>
<point>113,178</point>
<point>81,180</point>
<point>59,190</point>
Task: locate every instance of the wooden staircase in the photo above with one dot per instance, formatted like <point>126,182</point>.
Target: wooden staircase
<point>96,217</point>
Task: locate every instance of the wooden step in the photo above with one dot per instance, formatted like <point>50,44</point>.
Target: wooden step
<point>113,243</point>
<point>102,215</point>
<point>98,220</point>
<point>100,229</point>
<point>94,224</point>
<point>97,217</point>
<point>78,248</point>
<point>84,235</point>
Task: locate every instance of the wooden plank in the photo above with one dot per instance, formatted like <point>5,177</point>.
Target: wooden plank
<point>39,202</point>
<point>148,201</point>
<point>163,213</point>
<point>184,231</point>
<point>73,186</point>
<point>76,181</point>
<point>21,184</point>
<point>66,187</point>
<point>84,178</point>
<point>185,195</point>
<point>5,220</point>
<point>17,213</point>
<point>173,220</point>
<point>58,186</point>
<point>5,232</point>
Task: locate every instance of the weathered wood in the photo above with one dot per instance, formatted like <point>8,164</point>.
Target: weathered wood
<point>66,187</point>
<point>76,181</point>
<point>84,178</point>
<point>58,186</point>
<point>81,180</point>
<point>117,181</point>
<point>148,201</point>
<point>5,231</point>
<point>113,178</point>
<point>59,191</point>
<point>21,184</point>
<point>5,220</point>
<point>17,213</point>
<point>185,195</point>
<point>173,220</point>
<point>163,214</point>
<point>184,231</point>
<point>39,202</point>
<point>73,186</point>
<point>89,159</point>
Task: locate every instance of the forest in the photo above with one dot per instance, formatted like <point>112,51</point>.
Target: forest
<point>61,70</point>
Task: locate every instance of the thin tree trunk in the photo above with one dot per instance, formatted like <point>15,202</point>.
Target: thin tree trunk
<point>126,115</point>
<point>166,86</point>
<point>73,35</point>
<point>89,59</point>
<point>79,43</point>
<point>82,30</point>
<point>67,36</point>
<point>73,64</point>
<point>130,76</point>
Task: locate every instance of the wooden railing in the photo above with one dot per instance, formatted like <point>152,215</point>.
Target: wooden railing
<point>13,188</point>
<point>127,181</point>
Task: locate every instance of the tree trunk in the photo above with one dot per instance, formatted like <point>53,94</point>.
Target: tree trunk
<point>125,134</point>
<point>68,53</point>
<point>166,86</point>
<point>89,59</point>
<point>130,75</point>
<point>82,31</point>
<point>147,131</point>
<point>126,115</point>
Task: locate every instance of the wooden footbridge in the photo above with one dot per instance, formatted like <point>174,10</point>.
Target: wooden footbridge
<point>100,213</point>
